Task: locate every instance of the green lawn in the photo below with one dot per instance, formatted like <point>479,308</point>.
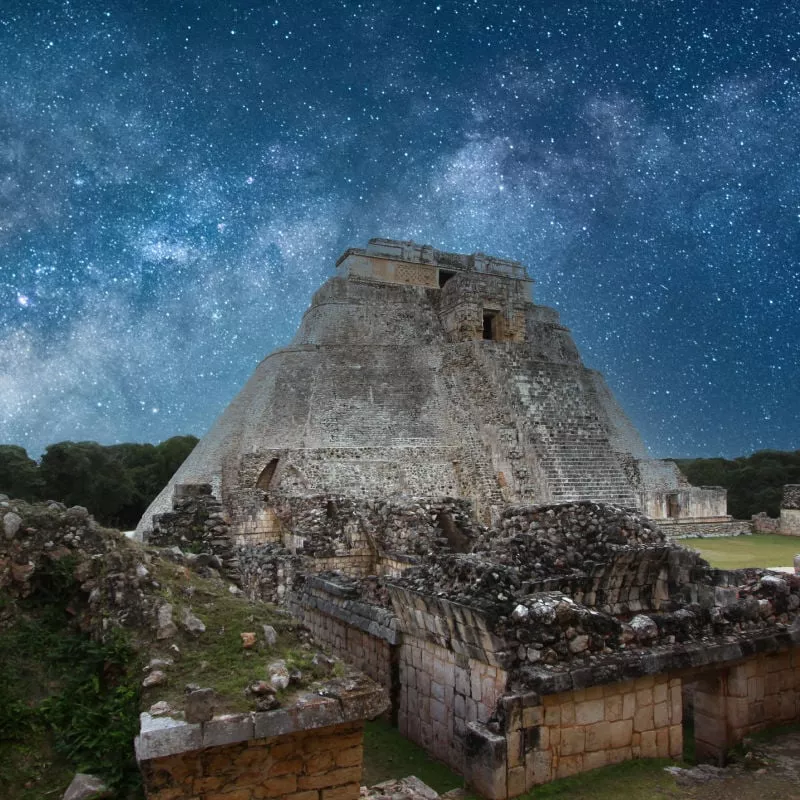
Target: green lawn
<point>388,755</point>
<point>759,550</point>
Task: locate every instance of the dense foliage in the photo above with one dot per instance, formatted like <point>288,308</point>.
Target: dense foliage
<point>115,482</point>
<point>75,700</point>
<point>754,483</point>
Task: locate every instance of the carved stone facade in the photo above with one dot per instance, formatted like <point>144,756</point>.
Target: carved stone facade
<point>423,373</point>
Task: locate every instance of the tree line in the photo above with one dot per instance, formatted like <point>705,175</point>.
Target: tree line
<point>754,483</point>
<point>115,482</point>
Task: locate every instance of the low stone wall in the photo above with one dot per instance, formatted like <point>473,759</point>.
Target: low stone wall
<point>563,734</point>
<point>678,529</point>
<point>790,522</point>
<point>765,524</point>
<point>309,750</point>
<point>363,634</point>
<point>322,764</point>
<point>746,698</point>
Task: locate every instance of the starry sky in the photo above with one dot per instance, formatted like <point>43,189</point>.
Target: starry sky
<point>177,178</point>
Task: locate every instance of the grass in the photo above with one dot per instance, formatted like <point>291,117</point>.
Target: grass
<point>759,550</point>
<point>216,658</point>
<point>644,779</point>
<point>388,755</point>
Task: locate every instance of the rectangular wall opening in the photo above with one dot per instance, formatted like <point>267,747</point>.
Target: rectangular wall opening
<point>489,328</point>
<point>444,276</point>
<point>673,506</point>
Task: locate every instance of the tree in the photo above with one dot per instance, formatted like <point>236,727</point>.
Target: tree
<point>19,474</point>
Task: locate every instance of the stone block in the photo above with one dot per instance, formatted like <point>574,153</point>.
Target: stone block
<point>532,716</point>
<point>643,719</point>
<point>573,740</point>
<point>598,736</point>
<point>621,732</point>
<point>660,692</point>
<point>628,705</point>
<point>569,765</point>
<point>517,783</point>
<point>613,707</point>
<point>644,697</point>
<point>590,711</point>
<point>755,688</point>
<point>552,715</point>
<point>661,715</point>
<point>274,787</point>
<point>568,713</point>
<point>662,743</point>
<point>539,768</point>
<point>335,777</point>
<point>228,730</point>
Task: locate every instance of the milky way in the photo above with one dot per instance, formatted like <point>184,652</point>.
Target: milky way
<point>177,178</point>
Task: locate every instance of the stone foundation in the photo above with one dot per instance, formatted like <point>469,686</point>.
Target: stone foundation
<point>677,529</point>
<point>322,764</point>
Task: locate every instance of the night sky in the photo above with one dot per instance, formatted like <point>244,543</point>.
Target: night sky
<point>176,179</point>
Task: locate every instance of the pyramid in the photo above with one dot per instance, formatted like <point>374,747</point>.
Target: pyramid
<point>429,374</point>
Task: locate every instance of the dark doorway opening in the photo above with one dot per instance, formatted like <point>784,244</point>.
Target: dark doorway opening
<point>488,325</point>
<point>444,276</point>
<point>673,506</point>
<point>265,478</point>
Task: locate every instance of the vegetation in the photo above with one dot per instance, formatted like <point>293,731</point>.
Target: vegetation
<point>67,703</point>
<point>754,483</point>
<point>759,550</point>
<point>116,482</point>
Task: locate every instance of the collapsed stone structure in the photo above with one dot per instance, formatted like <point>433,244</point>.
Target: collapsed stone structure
<point>433,374</point>
<point>432,481</point>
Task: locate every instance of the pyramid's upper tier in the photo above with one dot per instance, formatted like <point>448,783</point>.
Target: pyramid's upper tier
<point>394,261</point>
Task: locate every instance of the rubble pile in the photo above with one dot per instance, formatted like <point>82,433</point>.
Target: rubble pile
<point>543,541</point>
<point>330,526</point>
<point>197,524</point>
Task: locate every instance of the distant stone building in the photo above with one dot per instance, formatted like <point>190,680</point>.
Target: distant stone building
<point>431,374</point>
<point>790,510</point>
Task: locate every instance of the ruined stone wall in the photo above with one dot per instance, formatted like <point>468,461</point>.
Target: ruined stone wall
<point>790,522</point>
<point>747,697</point>
<point>790,510</point>
<point>320,764</point>
<point>677,529</point>
<point>762,523</point>
<point>197,525</point>
<point>363,633</point>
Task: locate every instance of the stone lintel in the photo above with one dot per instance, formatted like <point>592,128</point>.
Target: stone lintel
<point>344,701</point>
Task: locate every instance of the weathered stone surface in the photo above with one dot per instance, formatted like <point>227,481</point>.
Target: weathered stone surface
<point>11,524</point>
<point>199,705</point>
<point>192,623</point>
<point>86,787</point>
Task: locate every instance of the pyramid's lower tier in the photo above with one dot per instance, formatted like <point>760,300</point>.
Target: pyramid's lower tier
<point>468,391</point>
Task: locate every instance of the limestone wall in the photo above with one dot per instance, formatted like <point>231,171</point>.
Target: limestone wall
<point>441,692</point>
<point>321,764</point>
<point>582,730</point>
<point>790,522</point>
<point>676,529</point>
<point>747,697</point>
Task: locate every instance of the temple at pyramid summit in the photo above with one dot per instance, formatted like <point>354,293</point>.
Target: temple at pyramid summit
<point>422,373</point>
